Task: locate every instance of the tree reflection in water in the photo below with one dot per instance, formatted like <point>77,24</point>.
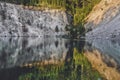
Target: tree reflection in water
<point>75,67</point>
<point>44,59</point>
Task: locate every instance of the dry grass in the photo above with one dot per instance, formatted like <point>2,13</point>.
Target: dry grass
<point>95,59</point>
<point>98,12</point>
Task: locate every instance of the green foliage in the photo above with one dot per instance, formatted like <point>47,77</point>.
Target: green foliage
<point>79,9</point>
<point>40,3</point>
<point>75,31</point>
<point>82,11</point>
<point>88,73</point>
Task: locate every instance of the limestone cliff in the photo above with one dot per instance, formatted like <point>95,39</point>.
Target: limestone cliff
<point>17,21</point>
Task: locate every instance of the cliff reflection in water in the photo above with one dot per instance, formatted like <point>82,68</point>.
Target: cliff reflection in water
<point>44,59</point>
<point>19,51</point>
<point>104,55</point>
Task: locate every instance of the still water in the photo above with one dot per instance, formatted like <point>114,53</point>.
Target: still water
<point>58,59</point>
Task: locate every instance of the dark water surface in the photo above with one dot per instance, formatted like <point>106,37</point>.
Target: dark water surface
<point>58,59</point>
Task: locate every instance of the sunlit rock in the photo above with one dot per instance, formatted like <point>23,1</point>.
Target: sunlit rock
<point>17,21</point>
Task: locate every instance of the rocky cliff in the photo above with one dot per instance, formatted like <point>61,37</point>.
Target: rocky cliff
<point>104,20</point>
<point>17,21</point>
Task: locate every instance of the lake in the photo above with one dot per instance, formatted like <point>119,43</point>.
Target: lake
<point>32,58</point>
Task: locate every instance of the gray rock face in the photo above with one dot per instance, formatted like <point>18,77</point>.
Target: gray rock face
<point>104,21</point>
<point>110,30</point>
<point>16,21</point>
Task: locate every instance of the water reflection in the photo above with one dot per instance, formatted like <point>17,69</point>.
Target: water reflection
<point>17,52</point>
<point>44,59</point>
<point>104,55</point>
